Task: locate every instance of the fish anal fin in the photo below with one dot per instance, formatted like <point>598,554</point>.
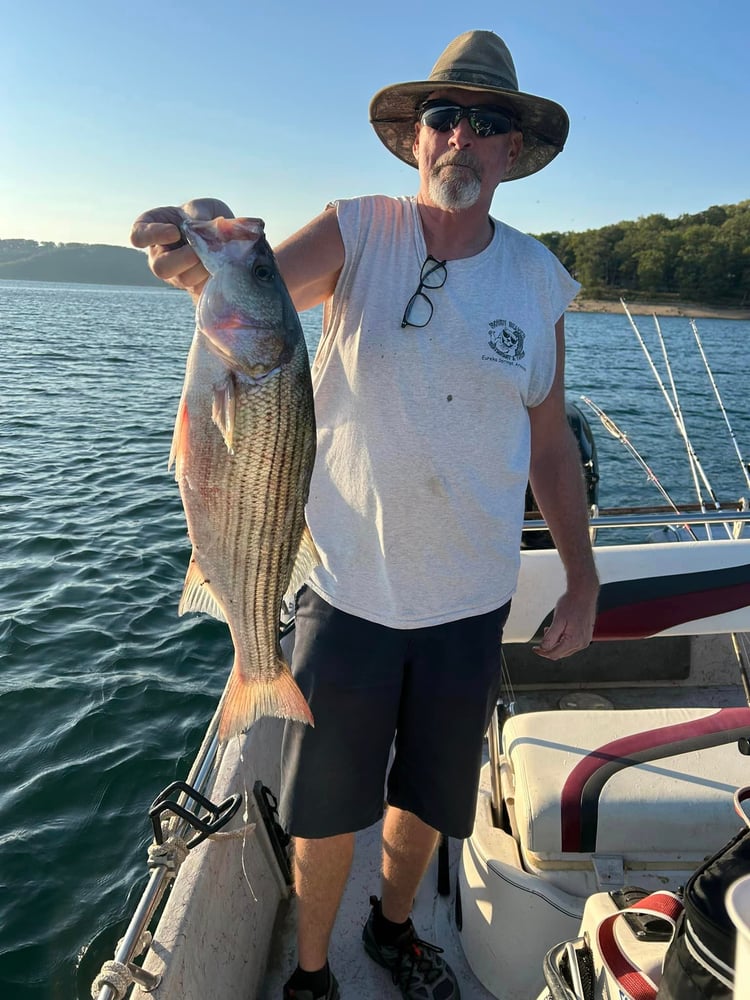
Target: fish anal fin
<point>197,594</point>
<point>305,562</point>
<point>180,439</point>
<point>247,701</point>
<point>223,410</point>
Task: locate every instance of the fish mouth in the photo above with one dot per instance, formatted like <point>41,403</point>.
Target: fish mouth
<point>214,234</point>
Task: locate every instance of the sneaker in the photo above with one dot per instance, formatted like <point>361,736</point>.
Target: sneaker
<point>416,966</point>
<point>331,994</point>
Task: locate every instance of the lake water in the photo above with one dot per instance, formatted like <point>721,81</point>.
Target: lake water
<point>104,692</point>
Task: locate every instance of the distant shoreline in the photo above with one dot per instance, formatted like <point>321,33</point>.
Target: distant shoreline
<point>691,310</point>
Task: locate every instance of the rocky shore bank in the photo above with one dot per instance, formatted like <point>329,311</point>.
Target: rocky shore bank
<point>691,310</point>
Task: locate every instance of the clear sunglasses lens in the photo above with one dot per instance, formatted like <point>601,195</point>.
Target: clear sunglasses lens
<point>433,275</point>
<point>419,311</point>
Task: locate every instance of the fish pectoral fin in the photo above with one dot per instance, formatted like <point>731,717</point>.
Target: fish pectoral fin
<point>306,561</point>
<point>197,594</point>
<point>223,410</point>
<point>179,439</point>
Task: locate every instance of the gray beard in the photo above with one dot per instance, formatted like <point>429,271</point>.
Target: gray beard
<point>453,190</point>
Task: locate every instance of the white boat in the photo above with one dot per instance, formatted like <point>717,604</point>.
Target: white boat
<point>614,769</point>
<point>555,832</point>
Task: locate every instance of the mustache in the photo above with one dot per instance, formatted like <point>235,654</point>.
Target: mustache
<point>461,158</point>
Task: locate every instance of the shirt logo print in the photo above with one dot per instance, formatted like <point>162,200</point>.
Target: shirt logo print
<point>507,341</point>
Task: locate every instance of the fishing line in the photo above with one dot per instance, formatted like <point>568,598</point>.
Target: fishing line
<point>621,436</point>
<point>738,641</point>
<point>248,827</point>
<point>743,463</point>
<point>692,457</point>
<point>695,464</point>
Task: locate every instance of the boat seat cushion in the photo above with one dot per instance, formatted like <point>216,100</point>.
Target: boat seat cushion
<point>636,784</point>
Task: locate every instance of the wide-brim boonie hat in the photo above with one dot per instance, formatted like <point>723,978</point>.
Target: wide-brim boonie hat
<point>476,60</point>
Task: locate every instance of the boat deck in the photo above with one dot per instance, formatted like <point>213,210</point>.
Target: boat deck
<point>359,977</point>
<point>217,934</point>
<point>434,915</point>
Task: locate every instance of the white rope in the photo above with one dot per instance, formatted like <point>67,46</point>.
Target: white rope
<point>174,850</point>
<point>169,855</point>
<point>115,975</point>
<point>143,942</point>
<point>241,831</point>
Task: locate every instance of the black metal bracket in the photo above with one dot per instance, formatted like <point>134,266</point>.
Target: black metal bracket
<point>205,826</point>
<point>280,839</point>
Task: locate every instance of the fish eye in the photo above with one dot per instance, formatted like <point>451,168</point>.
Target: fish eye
<point>263,272</point>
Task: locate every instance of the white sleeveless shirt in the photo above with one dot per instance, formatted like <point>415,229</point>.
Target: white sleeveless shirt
<point>417,495</point>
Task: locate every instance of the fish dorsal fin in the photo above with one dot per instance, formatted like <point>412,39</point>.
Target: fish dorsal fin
<point>179,439</point>
<point>306,561</point>
<point>197,594</point>
<point>223,410</point>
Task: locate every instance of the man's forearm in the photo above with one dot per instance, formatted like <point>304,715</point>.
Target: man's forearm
<point>559,489</point>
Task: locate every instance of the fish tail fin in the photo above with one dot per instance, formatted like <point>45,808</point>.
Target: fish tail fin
<point>247,701</point>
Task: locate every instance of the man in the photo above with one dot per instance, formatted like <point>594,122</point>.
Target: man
<point>439,390</point>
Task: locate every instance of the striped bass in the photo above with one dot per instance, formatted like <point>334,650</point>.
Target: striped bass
<point>243,451</point>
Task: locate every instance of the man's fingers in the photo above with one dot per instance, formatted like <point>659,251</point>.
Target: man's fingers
<point>147,234</point>
<point>559,651</point>
<point>160,226</point>
<point>169,256</point>
<point>169,264</point>
<point>206,208</point>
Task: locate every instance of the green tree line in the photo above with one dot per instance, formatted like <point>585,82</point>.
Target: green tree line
<point>701,258</point>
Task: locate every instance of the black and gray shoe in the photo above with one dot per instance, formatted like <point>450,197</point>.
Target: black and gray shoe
<point>331,994</point>
<point>416,966</point>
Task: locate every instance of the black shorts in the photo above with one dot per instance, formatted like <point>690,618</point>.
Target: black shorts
<point>432,689</point>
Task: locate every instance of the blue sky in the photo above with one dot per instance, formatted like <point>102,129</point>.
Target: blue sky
<point>107,109</point>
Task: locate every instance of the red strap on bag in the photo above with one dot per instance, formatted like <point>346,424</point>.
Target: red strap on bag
<point>633,983</point>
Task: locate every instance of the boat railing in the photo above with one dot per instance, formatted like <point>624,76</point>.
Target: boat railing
<point>736,514</point>
<point>134,941</point>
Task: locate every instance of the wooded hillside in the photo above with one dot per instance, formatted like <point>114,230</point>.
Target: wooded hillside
<point>701,258</point>
<point>96,263</point>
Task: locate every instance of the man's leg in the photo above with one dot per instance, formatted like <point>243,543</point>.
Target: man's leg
<point>408,846</point>
<point>321,868</point>
<point>389,935</point>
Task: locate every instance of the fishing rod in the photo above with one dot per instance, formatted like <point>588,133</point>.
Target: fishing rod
<point>621,436</point>
<point>742,660</point>
<point>739,642</point>
<point>743,464</point>
<point>692,456</point>
<point>695,464</point>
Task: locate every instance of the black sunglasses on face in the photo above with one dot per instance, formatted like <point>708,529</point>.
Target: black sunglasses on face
<point>432,275</point>
<point>484,119</point>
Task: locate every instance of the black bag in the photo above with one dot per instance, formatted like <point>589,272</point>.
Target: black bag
<point>699,964</point>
